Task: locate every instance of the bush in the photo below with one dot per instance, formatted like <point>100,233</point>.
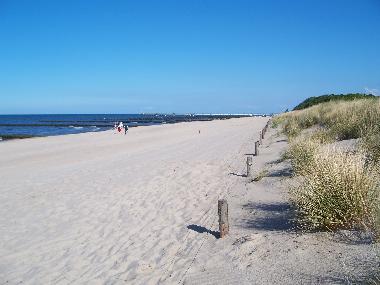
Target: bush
<point>332,97</point>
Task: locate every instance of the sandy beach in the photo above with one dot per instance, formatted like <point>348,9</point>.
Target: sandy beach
<point>104,208</point>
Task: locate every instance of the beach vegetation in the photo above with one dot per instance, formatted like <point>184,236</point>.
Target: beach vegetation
<point>338,190</point>
<point>338,187</point>
<point>311,101</point>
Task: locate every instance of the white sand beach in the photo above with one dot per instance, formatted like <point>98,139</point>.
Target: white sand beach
<point>141,208</point>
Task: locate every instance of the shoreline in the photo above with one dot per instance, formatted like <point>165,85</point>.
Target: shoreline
<point>140,123</point>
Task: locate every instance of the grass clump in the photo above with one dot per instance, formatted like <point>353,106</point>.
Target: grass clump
<point>338,191</point>
<point>301,152</point>
<point>322,136</point>
<point>371,144</point>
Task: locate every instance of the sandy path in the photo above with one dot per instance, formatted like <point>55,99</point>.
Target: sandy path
<point>101,208</point>
<point>266,247</point>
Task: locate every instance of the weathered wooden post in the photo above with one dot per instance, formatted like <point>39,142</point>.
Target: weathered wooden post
<point>260,139</point>
<point>262,134</point>
<point>267,125</point>
<point>256,148</point>
<point>224,226</point>
<point>249,164</point>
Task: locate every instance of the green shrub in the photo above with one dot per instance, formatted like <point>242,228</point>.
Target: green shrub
<point>332,97</point>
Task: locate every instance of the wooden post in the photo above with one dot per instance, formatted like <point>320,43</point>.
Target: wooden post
<point>260,139</point>
<point>249,164</point>
<point>262,134</point>
<point>257,148</point>
<point>224,226</point>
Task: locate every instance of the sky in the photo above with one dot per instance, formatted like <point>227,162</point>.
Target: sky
<point>188,56</point>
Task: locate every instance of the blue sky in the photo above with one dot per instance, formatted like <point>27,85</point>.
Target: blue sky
<point>183,56</point>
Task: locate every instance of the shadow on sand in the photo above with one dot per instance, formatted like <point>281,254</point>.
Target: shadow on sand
<point>237,174</point>
<point>284,172</point>
<point>201,230</point>
<point>270,217</point>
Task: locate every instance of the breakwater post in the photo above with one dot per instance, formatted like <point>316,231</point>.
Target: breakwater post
<point>249,164</point>
<point>224,226</point>
<point>260,138</point>
<point>256,148</point>
<point>267,125</point>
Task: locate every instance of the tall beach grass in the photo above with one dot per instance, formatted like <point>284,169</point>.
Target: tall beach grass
<point>339,188</point>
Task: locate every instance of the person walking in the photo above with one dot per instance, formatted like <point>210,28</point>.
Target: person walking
<point>120,127</point>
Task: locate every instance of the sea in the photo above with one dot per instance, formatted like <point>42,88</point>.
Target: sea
<point>24,126</point>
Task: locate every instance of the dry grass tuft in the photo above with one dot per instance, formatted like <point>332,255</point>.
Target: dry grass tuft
<point>371,144</point>
<point>338,191</point>
<point>301,152</point>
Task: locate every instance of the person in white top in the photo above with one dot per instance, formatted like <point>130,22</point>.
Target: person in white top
<point>120,127</point>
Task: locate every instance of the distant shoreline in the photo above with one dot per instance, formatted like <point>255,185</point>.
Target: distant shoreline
<point>29,126</point>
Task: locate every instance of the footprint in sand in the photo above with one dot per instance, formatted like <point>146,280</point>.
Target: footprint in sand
<point>144,268</point>
<point>249,244</point>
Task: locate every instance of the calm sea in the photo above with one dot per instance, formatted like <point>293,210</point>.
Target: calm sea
<point>12,126</point>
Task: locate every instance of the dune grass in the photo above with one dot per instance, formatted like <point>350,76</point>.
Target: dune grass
<point>339,188</point>
<point>338,191</point>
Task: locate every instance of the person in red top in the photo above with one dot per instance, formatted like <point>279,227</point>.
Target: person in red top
<point>120,127</point>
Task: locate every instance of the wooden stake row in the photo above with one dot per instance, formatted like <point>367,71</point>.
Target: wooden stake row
<point>224,226</point>
<point>261,137</point>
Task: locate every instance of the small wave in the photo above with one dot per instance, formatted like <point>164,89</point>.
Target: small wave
<point>76,128</point>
